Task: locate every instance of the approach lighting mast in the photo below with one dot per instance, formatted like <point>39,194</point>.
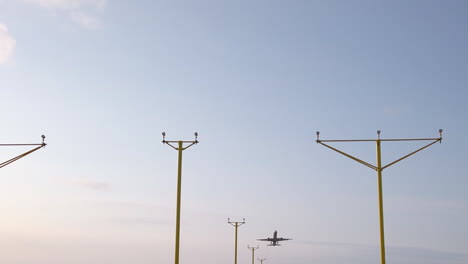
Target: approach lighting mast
<point>236,225</point>
<point>253,252</point>
<point>179,147</point>
<point>379,168</point>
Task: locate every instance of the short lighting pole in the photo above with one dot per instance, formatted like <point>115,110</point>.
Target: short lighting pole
<point>261,260</point>
<point>180,147</point>
<point>37,146</point>
<point>379,168</point>
<point>236,225</point>
<point>253,252</point>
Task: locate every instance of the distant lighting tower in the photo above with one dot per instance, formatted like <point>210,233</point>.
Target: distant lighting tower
<point>40,145</point>
<point>180,147</point>
<point>236,225</point>
<point>253,252</point>
<point>261,260</point>
<point>379,168</point>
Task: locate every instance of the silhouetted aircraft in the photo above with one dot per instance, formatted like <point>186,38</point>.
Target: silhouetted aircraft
<point>274,241</point>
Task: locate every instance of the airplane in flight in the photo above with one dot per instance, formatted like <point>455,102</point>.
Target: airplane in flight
<point>274,241</point>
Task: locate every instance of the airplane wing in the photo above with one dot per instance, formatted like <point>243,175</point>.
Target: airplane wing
<point>265,239</point>
<point>283,239</point>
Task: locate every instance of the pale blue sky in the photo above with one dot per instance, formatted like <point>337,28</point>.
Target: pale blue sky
<point>102,79</point>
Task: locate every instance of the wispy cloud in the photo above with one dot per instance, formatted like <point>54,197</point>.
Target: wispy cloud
<point>425,255</point>
<point>328,243</point>
<point>81,12</point>
<point>7,44</point>
<point>68,4</point>
<point>85,20</point>
<point>93,185</point>
<point>146,221</point>
<point>396,254</point>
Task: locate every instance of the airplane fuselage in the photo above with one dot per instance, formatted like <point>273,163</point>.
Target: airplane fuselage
<point>275,239</point>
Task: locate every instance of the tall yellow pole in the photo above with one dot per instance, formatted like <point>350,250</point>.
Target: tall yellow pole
<point>379,168</point>
<point>253,256</point>
<point>235,247</point>
<point>253,252</point>
<point>381,215</point>
<point>236,226</point>
<point>179,187</point>
<point>180,147</point>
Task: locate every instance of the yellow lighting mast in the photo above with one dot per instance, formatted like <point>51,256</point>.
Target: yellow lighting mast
<point>180,147</point>
<point>379,168</point>
<point>236,225</point>
<point>253,252</point>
